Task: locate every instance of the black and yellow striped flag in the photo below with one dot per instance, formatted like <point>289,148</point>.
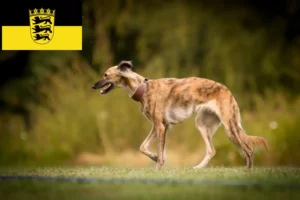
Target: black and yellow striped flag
<point>30,25</point>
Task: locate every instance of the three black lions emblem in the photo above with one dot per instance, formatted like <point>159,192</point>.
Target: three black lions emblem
<point>41,25</point>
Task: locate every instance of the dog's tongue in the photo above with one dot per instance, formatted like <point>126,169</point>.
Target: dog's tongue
<point>104,90</point>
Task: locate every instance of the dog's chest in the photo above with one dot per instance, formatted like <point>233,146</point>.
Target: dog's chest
<point>146,112</point>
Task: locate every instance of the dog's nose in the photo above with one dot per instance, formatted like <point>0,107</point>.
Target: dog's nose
<point>94,87</point>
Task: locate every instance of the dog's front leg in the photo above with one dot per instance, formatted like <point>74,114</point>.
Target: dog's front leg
<point>161,130</point>
<point>144,148</point>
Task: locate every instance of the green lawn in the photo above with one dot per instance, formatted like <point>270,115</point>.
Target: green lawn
<point>14,189</point>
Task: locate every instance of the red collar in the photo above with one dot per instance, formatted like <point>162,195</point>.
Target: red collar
<point>141,89</point>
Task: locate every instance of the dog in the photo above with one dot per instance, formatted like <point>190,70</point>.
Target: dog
<point>169,101</point>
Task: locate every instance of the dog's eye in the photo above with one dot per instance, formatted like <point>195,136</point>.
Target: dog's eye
<point>105,75</point>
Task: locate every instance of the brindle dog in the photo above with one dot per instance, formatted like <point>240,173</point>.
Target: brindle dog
<point>169,101</point>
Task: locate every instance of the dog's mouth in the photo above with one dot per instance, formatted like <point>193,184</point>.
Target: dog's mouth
<point>106,87</point>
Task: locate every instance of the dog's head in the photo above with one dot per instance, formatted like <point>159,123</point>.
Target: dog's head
<point>114,77</point>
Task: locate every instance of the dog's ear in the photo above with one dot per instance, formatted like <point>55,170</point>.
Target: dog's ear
<point>124,65</point>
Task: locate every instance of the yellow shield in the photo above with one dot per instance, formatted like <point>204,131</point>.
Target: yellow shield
<point>41,25</point>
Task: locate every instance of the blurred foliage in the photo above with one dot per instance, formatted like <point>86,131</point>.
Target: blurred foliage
<point>234,46</point>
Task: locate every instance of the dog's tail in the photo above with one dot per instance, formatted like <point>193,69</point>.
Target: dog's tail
<point>238,135</point>
<point>253,142</point>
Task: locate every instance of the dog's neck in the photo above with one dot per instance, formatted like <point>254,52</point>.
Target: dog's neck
<point>132,83</point>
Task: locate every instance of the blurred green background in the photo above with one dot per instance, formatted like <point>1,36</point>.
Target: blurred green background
<point>51,116</point>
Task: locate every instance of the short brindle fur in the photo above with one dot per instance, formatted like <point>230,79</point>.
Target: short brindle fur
<point>169,101</point>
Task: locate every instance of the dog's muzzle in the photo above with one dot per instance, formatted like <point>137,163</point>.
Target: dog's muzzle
<point>105,85</point>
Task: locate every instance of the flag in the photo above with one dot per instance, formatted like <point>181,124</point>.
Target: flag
<point>30,25</point>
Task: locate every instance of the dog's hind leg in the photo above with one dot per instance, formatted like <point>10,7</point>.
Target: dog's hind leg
<point>144,148</point>
<point>207,123</point>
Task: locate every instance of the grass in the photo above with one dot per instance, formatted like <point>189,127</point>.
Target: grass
<point>29,189</point>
